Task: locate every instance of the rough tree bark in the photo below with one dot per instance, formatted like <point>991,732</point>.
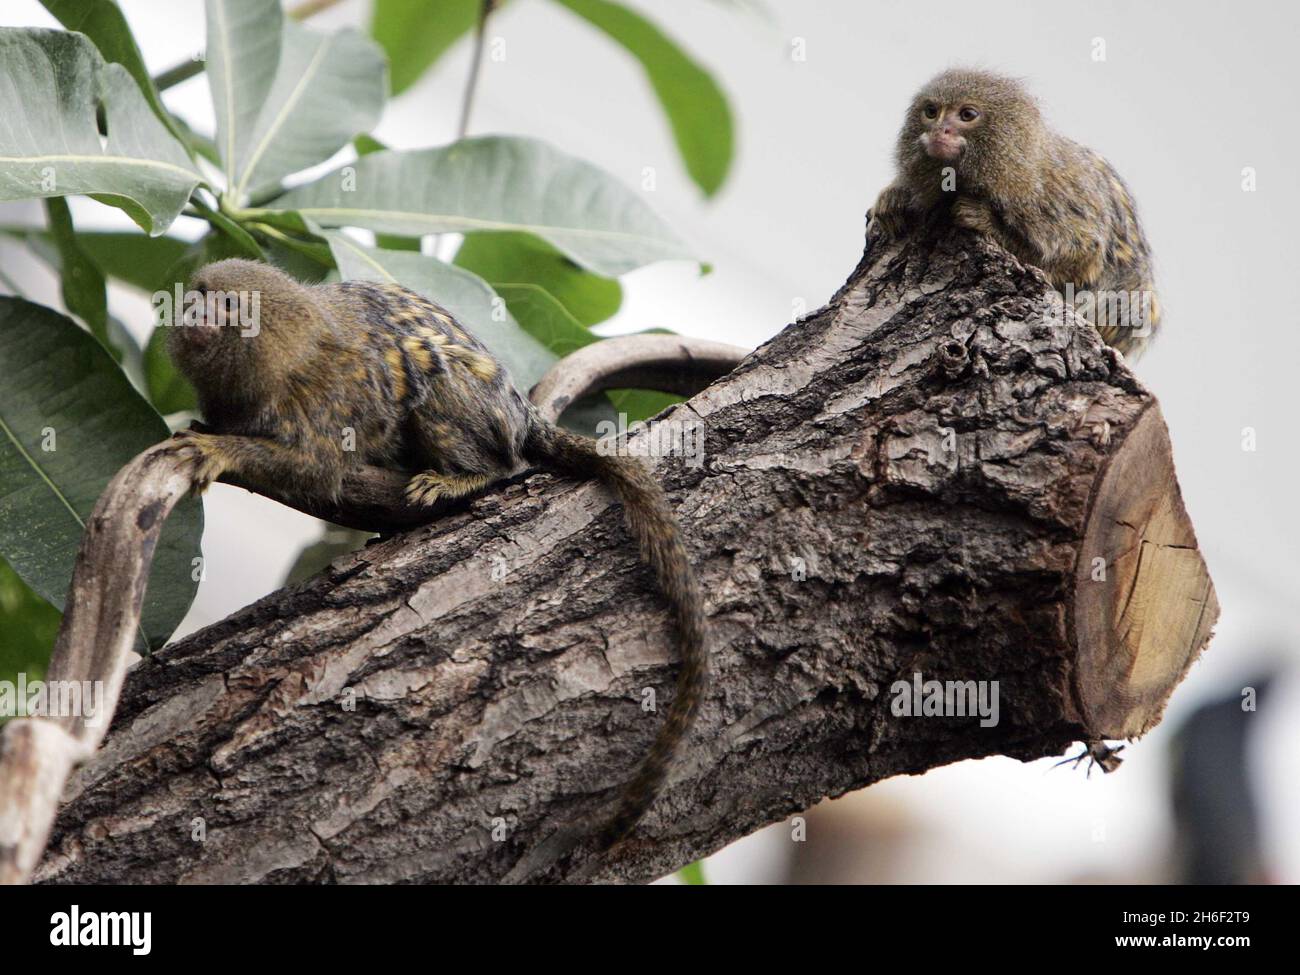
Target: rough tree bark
<point>922,477</point>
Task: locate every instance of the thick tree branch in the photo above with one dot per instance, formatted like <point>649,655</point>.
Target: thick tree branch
<point>923,477</point>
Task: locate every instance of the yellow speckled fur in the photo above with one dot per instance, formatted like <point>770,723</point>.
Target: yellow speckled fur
<point>349,373</point>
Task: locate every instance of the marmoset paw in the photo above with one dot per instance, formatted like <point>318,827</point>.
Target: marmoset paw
<point>887,218</point>
<point>881,225</point>
<point>425,489</point>
<point>429,487</point>
<point>209,460</point>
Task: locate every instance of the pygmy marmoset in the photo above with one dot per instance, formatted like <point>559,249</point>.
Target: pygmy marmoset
<point>392,375</point>
<point>976,142</point>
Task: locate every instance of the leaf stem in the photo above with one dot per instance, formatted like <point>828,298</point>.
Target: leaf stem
<point>480,36</point>
<point>320,253</point>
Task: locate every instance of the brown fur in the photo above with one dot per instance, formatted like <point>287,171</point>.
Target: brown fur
<point>1050,201</point>
<point>392,375</point>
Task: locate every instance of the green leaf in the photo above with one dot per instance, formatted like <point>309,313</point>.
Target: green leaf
<point>549,322</point>
<point>415,33</point>
<point>640,404</point>
<point>243,53</point>
<point>328,88</point>
<point>102,21</point>
<point>463,294</point>
<point>493,183</point>
<point>197,141</point>
<point>50,143</point>
<point>695,105</point>
<point>29,625</point>
<point>69,420</point>
<point>693,874</point>
<point>365,145</point>
<point>123,347</point>
<point>544,318</point>
<point>525,259</point>
<point>169,391</point>
<point>241,242</point>
<point>116,337</point>
<point>133,258</point>
<point>85,293</point>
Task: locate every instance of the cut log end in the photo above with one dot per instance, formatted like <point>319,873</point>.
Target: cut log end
<point>1145,605</point>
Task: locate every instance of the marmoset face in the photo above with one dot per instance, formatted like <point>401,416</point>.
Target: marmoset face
<point>945,126</point>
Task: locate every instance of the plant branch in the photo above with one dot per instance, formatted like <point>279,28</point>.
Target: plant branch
<point>475,66</point>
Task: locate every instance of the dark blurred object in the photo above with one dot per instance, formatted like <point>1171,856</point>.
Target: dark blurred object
<point>1216,820</point>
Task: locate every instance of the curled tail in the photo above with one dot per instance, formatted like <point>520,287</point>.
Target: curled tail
<point>654,527</point>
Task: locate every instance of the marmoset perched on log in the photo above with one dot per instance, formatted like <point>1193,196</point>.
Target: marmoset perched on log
<point>976,142</point>
<point>351,373</point>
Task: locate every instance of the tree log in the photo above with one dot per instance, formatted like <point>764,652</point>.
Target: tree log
<point>926,476</point>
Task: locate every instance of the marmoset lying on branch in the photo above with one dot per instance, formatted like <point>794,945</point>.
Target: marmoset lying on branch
<point>351,373</point>
<point>975,142</point>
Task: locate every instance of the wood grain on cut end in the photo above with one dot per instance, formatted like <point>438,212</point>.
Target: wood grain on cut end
<point>1145,613</point>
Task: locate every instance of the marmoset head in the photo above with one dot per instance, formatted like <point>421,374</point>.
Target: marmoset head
<point>984,126</point>
<point>241,329</point>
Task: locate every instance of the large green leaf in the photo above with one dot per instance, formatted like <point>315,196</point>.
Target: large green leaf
<point>50,143</point>
<point>243,53</point>
<point>29,625</point>
<point>463,294</point>
<point>544,318</point>
<point>696,107</point>
<point>328,88</point>
<point>69,420</point>
<point>85,292</point>
<point>134,258</point>
<point>548,321</point>
<point>365,145</point>
<point>204,145</point>
<point>493,183</point>
<point>169,391</point>
<point>84,289</point>
<point>524,259</point>
<point>102,21</point>
<point>415,33</point>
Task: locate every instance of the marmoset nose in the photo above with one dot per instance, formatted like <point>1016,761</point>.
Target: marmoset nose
<point>198,334</point>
